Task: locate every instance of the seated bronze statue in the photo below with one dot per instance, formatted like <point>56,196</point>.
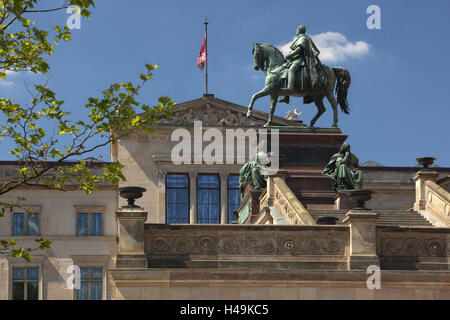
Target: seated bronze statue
<point>342,169</point>
<point>254,170</point>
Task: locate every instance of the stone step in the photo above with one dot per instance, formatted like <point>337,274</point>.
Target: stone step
<point>385,217</point>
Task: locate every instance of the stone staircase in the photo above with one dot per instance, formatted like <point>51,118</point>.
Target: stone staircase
<point>385,217</point>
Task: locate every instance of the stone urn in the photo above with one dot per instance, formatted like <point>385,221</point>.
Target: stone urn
<point>360,197</point>
<point>131,194</point>
<point>425,161</point>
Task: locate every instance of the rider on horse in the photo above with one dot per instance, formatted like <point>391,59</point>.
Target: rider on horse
<point>304,53</point>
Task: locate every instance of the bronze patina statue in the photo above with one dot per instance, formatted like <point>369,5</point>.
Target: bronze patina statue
<point>253,171</point>
<point>307,77</point>
<point>304,53</point>
<point>342,169</point>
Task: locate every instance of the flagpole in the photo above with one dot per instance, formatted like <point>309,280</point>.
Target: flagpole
<point>206,47</point>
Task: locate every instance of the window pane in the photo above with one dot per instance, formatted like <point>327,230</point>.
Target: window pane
<point>33,224</point>
<point>208,199</point>
<point>18,274</point>
<point>18,224</point>
<point>177,181</point>
<point>83,292</point>
<point>234,196</point>
<point>33,274</point>
<point>97,224</point>
<point>32,290</point>
<point>97,273</point>
<point>209,181</point>
<point>84,273</point>
<point>177,198</point>
<point>83,224</point>
<point>233,182</point>
<point>18,291</point>
<point>96,290</point>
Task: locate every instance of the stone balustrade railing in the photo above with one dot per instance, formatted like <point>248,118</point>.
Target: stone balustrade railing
<point>243,246</point>
<point>432,200</point>
<point>437,203</point>
<point>409,248</point>
<point>287,204</point>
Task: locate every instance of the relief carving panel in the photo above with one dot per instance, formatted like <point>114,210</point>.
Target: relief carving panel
<point>285,243</point>
<point>411,245</point>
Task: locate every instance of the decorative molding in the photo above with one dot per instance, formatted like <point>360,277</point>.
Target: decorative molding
<point>291,244</point>
<point>227,160</point>
<point>193,176</point>
<point>210,116</point>
<point>411,244</point>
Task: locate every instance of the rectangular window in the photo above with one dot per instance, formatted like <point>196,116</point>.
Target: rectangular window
<point>91,286</point>
<point>90,223</point>
<point>25,224</point>
<point>234,196</point>
<point>18,224</point>
<point>25,283</point>
<point>33,224</point>
<point>83,224</point>
<point>97,224</point>
<point>208,198</point>
<point>177,198</point>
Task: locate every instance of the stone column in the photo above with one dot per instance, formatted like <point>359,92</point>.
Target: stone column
<point>363,246</point>
<point>223,198</point>
<point>131,222</point>
<point>419,179</point>
<point>162,174</point>
<point>193,217</point>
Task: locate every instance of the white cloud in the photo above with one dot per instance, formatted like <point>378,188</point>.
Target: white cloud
<point>6,82</point>
<point>334,47</point>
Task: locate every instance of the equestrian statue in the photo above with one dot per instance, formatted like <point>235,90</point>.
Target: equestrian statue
<point>303,76</point>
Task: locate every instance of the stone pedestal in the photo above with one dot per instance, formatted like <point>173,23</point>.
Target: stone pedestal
<point>304,152</point>
<point>419,179</point>
<point>131,222</point>
<point>342,201</point>
<point>362,238</point>
<point>249,207</point>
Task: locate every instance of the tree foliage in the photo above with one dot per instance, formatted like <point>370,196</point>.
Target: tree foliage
<point>51,159</point>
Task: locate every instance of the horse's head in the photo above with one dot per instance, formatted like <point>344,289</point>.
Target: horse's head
<point>258,55</point>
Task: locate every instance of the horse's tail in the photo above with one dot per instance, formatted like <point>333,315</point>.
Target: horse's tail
<point>343,83</point>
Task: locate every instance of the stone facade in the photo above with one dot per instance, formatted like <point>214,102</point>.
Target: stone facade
<point>58,223</point>
<point>279,251</point>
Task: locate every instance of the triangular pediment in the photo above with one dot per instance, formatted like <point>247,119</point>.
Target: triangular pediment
<point>216,112</point>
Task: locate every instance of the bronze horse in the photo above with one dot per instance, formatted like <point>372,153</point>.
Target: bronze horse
<point>269,59</point>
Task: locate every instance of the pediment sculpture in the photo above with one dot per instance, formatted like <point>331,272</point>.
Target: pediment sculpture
<point>210,116</point>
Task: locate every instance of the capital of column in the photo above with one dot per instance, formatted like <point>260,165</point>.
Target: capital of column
<point>162,173</point>
<point>193,175</point>
<point>223,175</point>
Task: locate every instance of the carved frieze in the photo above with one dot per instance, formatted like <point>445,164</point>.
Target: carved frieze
<point>210,116</point>
<point>411,245</point>
<point>293,244</point>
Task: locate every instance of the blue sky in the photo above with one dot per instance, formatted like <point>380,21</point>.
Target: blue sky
<point>399,96</point>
